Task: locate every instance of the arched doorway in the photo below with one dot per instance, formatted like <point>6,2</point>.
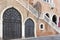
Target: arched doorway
<point>12,24</point>
<point>29,28</point>
<point>47,15</point>
<point>54,19</point>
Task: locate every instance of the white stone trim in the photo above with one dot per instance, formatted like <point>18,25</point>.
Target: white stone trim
<point>34,25</point>
<point>2,19</point>
<point>27,8</point>
<point>48,13</point>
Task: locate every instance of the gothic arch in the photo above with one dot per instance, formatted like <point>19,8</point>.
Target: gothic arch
<point>29,28</point>
<point>12,24</point>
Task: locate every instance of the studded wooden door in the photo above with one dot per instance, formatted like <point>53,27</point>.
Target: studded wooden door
<point>12,24</point>
<point>29,28</point>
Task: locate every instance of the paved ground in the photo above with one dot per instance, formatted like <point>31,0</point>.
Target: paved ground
<point>55,37</point>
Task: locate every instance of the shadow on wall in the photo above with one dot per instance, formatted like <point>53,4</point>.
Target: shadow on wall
<point>37,6</point>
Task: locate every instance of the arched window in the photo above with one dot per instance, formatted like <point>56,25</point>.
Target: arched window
<point>29,28</point>
<point>12,24</point>
<point>47,14</point>
<point>41,26</point>
<point>54,19</point>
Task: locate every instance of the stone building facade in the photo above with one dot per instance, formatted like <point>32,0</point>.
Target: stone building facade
<point>29,18</point>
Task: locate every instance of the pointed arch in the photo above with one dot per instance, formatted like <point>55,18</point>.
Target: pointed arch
<point>29,28</point>
<point>12,24</point>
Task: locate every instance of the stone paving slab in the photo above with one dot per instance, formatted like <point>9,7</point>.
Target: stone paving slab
<point>55,37</point>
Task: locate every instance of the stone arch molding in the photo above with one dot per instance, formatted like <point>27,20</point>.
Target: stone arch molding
<point>34,25</point>
<point>1,19</point>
